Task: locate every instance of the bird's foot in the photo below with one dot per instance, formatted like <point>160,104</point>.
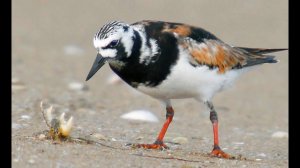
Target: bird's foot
<point>217,152</point>
<point>156,145</point>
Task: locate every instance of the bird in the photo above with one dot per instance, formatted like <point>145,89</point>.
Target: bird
<point>168,60</point>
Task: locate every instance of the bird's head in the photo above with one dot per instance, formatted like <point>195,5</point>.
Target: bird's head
<point>114,42</point>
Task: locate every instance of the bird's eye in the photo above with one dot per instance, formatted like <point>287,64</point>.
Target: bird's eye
<point>114,43</point>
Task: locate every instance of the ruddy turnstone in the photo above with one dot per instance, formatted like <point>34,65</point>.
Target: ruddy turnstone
<point>172,61</point>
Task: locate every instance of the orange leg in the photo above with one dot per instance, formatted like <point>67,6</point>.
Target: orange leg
<point>158,144</point>
<point>214,119</point>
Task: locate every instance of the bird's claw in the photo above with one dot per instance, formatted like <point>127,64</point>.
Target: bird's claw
<point>217,152</point>
<point>155,145</point>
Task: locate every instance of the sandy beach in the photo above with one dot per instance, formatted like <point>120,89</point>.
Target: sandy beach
<point>52,52</point>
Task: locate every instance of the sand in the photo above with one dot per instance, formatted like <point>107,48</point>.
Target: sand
<point>52,52</point>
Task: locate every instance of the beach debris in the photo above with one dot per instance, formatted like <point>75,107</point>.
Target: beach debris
<point>140,115</point>
<point>16,126</point>
<point>59,128</point>
<point>261,155</point>
<point>25,117</point>
<point>77,86</point>
<point>139,138</point>
<point>280,134</point>
<point>31,161</point>
<point>42,137</point>
<point>15,80</point>
<point>16,84</point>
<point>238,143</point>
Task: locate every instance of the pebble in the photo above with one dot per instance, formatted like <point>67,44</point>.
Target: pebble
<point>141,115</point>
<point>31,161</point>
<point>235,148</point>
<point>16,126</point>
<point>25,117</point>
<point>17,87</point>
<point>15,80</point>
<point>280,134</point>
<point>16,84</point>
<point>73,50</point>
<point>77,86</point>
<point>262,155</point>
<point>180,140</point>
<point>238,143</point>
<point>139,138</point>
<point>42,136</point>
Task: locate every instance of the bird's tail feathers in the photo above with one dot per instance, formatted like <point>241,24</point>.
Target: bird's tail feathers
<point>256,55</point>
<point>262,50</point>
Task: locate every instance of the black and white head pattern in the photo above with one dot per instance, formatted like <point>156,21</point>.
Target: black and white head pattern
<point>110,36</point>
<point>118,33</point>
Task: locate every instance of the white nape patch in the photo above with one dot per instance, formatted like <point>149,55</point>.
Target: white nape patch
<point>128,41</point>
<point>139,28</point>
<point>154,47</point>
<point>146,52</point>
<point>186,81</point>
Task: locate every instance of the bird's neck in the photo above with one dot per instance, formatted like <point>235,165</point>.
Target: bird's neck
<point>149,64</point>
<point>129,68</point>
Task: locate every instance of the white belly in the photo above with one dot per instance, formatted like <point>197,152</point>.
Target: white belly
<point>186,81</point>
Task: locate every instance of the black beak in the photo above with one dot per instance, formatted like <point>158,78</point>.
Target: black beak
<point>98,63</point>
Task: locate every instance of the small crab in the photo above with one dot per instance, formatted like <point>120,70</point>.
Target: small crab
<point>60,129</point>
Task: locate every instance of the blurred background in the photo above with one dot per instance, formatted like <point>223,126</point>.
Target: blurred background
<point>52,52</point>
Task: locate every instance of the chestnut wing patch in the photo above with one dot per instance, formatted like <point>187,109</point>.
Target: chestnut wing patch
<point>180,29</point>
<point>187,31</point>
<point>214,53</point>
